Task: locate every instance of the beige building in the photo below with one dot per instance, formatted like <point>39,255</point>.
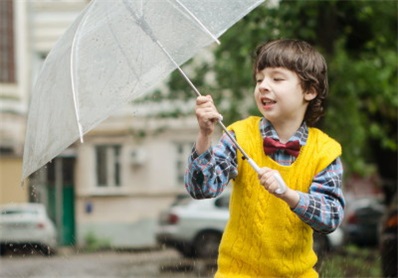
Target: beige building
<point>13,99</point>
<point>111,187</point>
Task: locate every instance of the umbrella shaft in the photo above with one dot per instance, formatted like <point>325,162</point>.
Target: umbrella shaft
<point>245,156</point>
<point>179,68</point>
<point>189,81</point>
<point>234,141</point>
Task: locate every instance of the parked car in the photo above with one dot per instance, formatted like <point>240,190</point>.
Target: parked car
<point>195,227</point>
<point>388,239</point>
<point>362,219</point>
<point>27,226</point>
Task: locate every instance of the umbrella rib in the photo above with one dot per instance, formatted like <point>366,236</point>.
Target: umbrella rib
<point>198,21</point>
<point>74,94</point>
<point>74,90</point>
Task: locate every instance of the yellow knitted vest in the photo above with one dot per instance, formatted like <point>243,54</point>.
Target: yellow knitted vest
<point>263,237</point>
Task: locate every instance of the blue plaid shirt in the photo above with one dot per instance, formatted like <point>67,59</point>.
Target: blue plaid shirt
<point>322,207</point>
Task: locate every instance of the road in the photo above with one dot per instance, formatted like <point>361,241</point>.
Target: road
<point>71,263</point>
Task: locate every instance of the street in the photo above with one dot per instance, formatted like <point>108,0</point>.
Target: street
<point>71,263</point>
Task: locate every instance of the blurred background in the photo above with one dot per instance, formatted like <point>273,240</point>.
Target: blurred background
<point>109,192</point>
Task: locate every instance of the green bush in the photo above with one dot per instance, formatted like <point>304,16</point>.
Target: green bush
<point>351,261</point>
<point>94,243</point>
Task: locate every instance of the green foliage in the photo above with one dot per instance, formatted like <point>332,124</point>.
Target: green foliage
<point>93,243</point>
<point>363,104</point>
<point>351,261</point>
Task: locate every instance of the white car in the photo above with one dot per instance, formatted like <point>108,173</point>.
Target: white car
<point>27,226</point>
<point>194,227</point>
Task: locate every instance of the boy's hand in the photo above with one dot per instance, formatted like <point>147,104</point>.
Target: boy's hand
<point>268,179</point>
<point>206,114</point>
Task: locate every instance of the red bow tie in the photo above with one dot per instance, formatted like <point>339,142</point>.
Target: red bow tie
<point>270,146</point>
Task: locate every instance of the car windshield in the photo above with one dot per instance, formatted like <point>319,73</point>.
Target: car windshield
<point>18,212</point>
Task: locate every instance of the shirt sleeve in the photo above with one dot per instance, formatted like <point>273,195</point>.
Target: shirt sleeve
<point>208,174</point>
<point>323,206</point>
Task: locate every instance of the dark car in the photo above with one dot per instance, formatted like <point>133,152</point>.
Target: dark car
<point>362,218</point>
<point>388,240</point>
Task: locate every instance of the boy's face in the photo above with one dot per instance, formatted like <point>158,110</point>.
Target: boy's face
<point>280,96</point>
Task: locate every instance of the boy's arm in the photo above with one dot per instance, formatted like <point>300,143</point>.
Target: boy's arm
<point>208,174</point>
<point>209,169</point>
<point>323,207</point>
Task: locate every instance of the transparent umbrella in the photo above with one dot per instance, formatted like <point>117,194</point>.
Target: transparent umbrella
<point>113,53</point>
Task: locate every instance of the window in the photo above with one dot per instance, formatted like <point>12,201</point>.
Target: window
<point>7,62</point>
<point>183,151</point>
<point>108,165</point>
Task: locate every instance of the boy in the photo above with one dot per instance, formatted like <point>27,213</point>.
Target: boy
<point>270,234</point>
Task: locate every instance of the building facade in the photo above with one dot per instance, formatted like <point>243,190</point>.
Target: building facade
<point>13,99</point>
<point>113,186</point>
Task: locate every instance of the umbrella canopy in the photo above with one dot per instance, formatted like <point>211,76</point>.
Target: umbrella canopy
<point>113,53</point>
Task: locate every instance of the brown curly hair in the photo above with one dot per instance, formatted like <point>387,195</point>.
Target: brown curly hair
<point>301,58</point>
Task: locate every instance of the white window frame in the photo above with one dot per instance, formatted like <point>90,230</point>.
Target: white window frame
<point>183,150</point>
<point>112,168</point>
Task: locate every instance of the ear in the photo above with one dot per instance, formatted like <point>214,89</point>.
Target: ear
<point>310,94</point>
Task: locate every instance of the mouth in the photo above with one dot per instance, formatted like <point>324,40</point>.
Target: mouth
<point>267,102</point>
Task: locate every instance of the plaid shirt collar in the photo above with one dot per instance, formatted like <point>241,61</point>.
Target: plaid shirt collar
<point>267,130</point>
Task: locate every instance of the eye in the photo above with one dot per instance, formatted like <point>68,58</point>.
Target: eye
<point>259,78</point>
<point>278,79</point>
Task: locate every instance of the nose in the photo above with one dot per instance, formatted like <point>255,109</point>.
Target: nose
<point>263,86</point>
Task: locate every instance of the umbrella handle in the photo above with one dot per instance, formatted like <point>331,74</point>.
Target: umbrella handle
<point>254,165</point>
<point>282,185</point>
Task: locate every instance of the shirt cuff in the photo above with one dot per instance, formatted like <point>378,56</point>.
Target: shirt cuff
<point>302,205</point>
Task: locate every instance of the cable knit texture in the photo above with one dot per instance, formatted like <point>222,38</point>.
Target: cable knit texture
<point>263,237</point>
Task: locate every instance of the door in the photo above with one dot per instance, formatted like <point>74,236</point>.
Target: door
<point>61,198</point>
